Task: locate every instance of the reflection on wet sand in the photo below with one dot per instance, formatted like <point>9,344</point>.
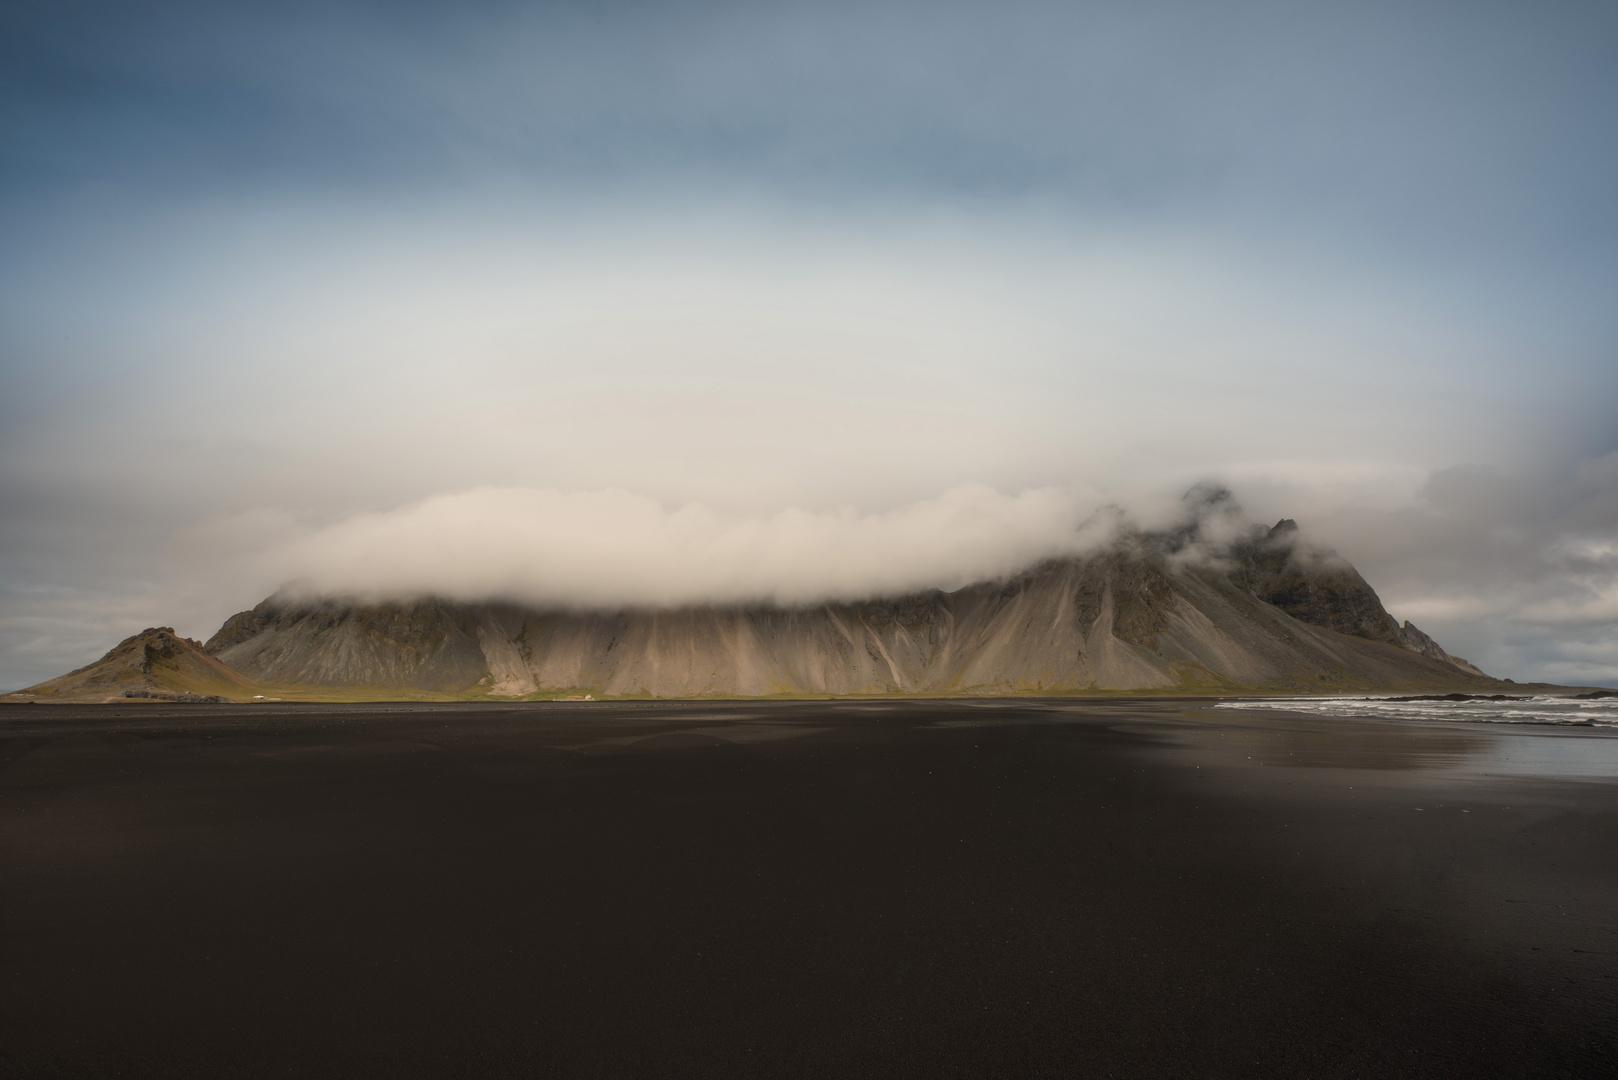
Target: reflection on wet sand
<point>1312,744</point>
<point>1342,743</point>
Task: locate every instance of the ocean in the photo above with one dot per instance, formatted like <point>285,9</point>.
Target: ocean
<point>1528,709</point>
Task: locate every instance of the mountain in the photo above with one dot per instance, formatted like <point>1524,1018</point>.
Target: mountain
<point>1261,609</point>
<point>155,663</point>
<point>1317,586</point>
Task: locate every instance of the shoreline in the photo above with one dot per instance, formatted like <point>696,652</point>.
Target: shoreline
<point>363,696</point>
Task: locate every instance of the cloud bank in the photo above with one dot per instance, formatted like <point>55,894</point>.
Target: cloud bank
<point>606,549</point>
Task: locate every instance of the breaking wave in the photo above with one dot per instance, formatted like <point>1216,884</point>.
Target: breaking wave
<point>1534,709</point>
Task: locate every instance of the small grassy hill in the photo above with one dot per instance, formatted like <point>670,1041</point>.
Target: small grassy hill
<point>155,661</point>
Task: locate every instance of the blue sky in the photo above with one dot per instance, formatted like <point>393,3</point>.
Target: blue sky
<point>266,267</point>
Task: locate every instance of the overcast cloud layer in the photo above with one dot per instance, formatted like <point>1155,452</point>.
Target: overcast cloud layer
<point>700,302</point>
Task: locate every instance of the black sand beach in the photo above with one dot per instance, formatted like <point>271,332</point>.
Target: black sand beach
<point>1131,889</point>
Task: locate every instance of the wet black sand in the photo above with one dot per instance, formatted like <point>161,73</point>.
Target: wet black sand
<point>907,889</point>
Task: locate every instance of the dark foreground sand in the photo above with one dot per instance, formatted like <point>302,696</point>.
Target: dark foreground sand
<point>798,889</point>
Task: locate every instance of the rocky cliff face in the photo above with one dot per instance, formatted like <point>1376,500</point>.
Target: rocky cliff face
<point>426,644</point>
<point>1314,585</point>
<point>1416,641</point>
<point>1153,611</point>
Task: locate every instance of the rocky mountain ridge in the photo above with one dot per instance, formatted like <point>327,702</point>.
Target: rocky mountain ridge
<point>1212,605</point>
<point>1150,612</point>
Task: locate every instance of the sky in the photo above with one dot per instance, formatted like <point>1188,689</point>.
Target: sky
<point>686,302</point>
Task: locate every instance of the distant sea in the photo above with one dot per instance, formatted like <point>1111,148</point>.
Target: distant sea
<point>1536,709</point>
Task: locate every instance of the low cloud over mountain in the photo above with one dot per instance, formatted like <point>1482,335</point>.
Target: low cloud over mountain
<point>610,549</point>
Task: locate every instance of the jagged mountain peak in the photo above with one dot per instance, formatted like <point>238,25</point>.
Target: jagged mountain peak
<point>1208,497</point>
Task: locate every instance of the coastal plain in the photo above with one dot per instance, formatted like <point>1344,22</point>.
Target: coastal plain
<point>1119,888</point>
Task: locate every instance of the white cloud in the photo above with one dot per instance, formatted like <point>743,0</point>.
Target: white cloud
<point>614,548</point>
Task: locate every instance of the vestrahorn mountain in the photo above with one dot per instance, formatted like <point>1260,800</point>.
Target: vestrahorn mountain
<point>1157,611</point>
<point>1248,609</point>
